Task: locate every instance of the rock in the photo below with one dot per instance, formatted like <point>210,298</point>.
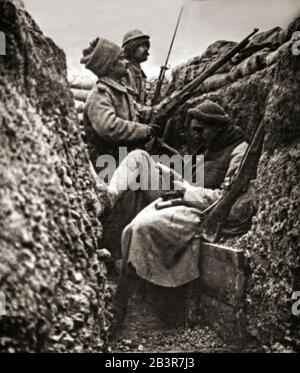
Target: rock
<point>57,338</point>
<point>127,342</point>
<point>68,181</point>
<point>82,82</point>
<point>78,319</point>
<point>104,254</point>
<point>68,339</point>
<point>78,277</point>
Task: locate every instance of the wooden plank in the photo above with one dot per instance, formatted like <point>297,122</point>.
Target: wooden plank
<point>228,321</point>
<point>222,273</point>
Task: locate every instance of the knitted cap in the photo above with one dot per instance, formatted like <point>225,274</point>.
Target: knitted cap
<point>209,112</point>
<point>100,55</point>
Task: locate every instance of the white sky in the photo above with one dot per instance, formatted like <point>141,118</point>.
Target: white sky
<point>73,23</point>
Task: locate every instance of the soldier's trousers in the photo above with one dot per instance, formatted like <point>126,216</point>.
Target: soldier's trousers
<point>136,183</point>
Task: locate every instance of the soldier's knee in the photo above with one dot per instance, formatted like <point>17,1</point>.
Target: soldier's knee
<point>139,154</point>
<point>137,225</point>
<point>130,233</point>
<point>126,231</point>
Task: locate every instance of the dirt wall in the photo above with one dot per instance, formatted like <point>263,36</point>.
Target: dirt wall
<point>50,273</point>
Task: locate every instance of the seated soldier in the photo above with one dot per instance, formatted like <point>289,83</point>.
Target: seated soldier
<point>155,243</point>
<point>111,116</point>
<point>136,46</point>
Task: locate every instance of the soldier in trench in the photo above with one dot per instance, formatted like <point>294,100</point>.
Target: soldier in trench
<point>136,47</point>
<point>155,244</point>
<point>113,119</point>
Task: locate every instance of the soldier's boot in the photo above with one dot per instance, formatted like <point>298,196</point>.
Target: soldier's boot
<point>126,285</point>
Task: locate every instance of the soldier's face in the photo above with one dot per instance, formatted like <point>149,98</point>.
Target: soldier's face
<point>120,66</point>
<point>203,133</point>
<point>141,53</point>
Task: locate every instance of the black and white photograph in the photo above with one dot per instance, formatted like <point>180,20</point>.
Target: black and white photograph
<point>150,179</point>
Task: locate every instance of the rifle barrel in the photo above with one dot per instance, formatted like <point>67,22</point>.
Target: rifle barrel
<point>178,96</point>
<point>211,227</point>
<point>220,62</point>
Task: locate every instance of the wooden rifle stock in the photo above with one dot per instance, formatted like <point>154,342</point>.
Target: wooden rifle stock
<point>157,91</point>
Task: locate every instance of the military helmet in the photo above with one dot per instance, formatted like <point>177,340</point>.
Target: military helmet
<point>133,35</point>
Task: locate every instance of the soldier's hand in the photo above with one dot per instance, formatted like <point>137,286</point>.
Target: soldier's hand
<point>145,114</point>
<point>156,130</point>
<point>173,194</point>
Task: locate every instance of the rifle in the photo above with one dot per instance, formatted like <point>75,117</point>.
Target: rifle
<point>177,97</point>
<point>165,67</point>
<point>160,205</point>
<point>212,225</point>
<point>160,80</point>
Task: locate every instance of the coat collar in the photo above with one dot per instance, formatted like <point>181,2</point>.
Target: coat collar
<point>112,83</point>
<point>138,70</point>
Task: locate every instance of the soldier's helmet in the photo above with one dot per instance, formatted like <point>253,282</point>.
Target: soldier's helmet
<point>134,35</point>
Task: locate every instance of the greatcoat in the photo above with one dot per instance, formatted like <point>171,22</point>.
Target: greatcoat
<point>136,81</point>
<point>111,120</point>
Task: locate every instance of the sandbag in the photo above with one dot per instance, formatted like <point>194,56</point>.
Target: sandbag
<point>288,32</point>
<point>80,94</point>
<point>82,82</point>
<point>215,82</point>
<point>250,65</point>
<point>266,37</point>
<point>225,68</point>
<point>82,85</point>
<point>274,56</point>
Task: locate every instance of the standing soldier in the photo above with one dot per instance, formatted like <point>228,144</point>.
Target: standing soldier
<point>136,46</point>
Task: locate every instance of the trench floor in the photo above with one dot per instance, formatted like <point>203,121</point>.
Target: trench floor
<point>150,327</point>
